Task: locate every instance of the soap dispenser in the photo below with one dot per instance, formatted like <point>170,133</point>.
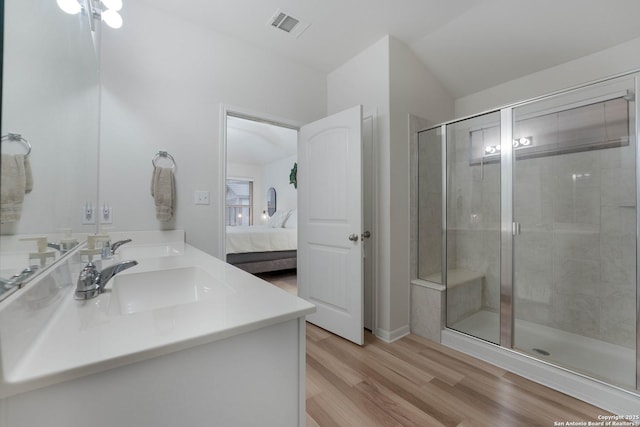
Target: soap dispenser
<point>91,249</point>
<point>42,254</point>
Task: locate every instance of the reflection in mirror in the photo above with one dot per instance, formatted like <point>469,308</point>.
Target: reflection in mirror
<point>50,93</point>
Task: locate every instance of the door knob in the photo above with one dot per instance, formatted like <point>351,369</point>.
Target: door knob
<point>353,237</point>
<point>365,235</point>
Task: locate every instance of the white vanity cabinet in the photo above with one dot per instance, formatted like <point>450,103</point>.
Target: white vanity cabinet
<point>251,379</point>
<point>232,353</point>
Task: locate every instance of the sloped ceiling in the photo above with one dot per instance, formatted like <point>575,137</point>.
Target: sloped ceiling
<point>254,143</point>
<point>469,45</point>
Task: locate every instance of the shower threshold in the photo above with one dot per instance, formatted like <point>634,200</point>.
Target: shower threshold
<point>611,363</point>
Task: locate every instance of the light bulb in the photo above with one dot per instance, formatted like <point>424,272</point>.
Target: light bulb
<point>71,7</point>
<point>113,4</point>
<point>112,18</point>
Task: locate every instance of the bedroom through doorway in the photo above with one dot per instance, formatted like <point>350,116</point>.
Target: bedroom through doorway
<point>261,199</point>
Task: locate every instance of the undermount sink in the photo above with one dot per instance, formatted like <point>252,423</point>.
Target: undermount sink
<point>150,251</point>
<point>139,292</point>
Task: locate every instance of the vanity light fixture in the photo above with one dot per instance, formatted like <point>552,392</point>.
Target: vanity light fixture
<point>517,143</point>
<point>523,142</point>
<point>72,7</point>
<point>492,149</point>
<point>105,10</point>
<point>112,18</point>
<point>109,13</point>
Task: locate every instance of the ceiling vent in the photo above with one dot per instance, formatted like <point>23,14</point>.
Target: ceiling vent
<point>287,23</point>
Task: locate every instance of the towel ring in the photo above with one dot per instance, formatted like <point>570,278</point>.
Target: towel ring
<point>16,137</point>
<point>165,155</point>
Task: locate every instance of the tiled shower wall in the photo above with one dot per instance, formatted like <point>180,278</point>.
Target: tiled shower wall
<point>574,260</point>
<point>575,266</point>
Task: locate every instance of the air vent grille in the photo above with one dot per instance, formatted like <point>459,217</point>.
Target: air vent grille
<point>278,19</point>
<point>287,23</point>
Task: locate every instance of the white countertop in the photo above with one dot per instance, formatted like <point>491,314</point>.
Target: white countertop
<point>85,337</point>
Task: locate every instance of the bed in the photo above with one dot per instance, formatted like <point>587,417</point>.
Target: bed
<point>264,248</point>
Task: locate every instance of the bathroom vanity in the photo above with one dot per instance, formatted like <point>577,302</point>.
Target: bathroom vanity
<point>180,339</point>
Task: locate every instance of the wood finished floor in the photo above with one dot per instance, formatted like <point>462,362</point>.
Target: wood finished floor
<point>416,382</point>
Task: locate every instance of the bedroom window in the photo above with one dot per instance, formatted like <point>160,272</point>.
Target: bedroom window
<point>239,202</point>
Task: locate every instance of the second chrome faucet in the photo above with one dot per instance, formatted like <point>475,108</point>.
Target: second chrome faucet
<point>91,282</point>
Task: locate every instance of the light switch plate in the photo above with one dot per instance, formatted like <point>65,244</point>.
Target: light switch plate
<point>201,197</point>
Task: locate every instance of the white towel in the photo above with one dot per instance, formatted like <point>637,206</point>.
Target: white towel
<point>28,176</point>
<point>14,186</point>
<point>162,190</point>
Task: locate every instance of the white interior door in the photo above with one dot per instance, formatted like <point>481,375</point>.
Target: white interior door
<point>330,222</point>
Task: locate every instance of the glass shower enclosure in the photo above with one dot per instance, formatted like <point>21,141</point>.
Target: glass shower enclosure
<point>528,216</point>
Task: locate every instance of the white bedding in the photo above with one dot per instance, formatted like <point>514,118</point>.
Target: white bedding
<point>260,238</point>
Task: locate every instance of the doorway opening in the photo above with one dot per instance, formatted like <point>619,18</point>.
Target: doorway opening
<point>260,206</point>
<point>273,203</point>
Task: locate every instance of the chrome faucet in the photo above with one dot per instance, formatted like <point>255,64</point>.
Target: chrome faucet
<point>17,279</point>
<point>116,245</point>
<point>109,250</point>
<point>91,282</point>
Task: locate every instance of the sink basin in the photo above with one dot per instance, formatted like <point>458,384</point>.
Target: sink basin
<point>150,251</point>
<point>139,292</point>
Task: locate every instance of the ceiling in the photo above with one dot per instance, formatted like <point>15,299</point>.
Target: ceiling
<point>469,45</point>
<point>256,143</point>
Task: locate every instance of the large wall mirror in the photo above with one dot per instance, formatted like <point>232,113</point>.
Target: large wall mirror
<point>50,97</point>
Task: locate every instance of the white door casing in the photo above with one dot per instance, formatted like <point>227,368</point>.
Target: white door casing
<point>330,256</point>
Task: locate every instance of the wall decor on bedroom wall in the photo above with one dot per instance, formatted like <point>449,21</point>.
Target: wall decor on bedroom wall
<point>293,176</point>
<point>271,201</point>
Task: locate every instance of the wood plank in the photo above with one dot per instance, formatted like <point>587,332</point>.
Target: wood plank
<point>419,383</point>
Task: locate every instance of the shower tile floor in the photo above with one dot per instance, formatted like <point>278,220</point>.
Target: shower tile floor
<point>610,363</point>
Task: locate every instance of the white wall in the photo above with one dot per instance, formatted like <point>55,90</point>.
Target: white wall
<point>364,79</point>
<point>276,175</point>
<point>413,90</point>
<point>164,80</point>
<point>389,78</point>
<point>618,59</point>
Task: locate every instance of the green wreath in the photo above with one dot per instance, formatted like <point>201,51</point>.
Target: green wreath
<point>293,176</point>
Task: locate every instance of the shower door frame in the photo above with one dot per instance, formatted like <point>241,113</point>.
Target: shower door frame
<point>637,129</point>
<point>508,228</point>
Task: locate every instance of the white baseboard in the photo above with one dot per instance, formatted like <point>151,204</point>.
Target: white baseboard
<point>391,336</point>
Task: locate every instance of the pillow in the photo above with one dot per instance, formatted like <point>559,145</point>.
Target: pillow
<point>277,219</point>
<point>292,220</point>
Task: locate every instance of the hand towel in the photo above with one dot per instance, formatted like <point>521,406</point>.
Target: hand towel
<point>162,190</point>
<point>28,176</point>
<point>13,187</point>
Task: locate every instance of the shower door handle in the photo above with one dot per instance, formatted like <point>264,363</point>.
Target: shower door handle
<point>516,228</point>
